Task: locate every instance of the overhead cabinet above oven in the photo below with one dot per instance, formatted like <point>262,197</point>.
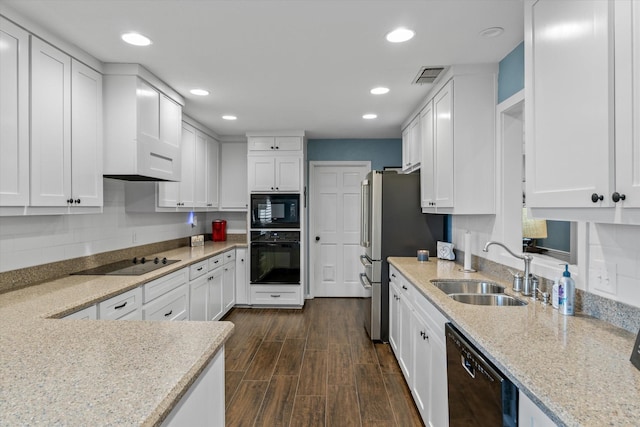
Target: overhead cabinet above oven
<point>275,161</point>
<point>143,124</point>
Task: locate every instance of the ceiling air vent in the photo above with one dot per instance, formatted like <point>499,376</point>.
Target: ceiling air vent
<point>428,75</point>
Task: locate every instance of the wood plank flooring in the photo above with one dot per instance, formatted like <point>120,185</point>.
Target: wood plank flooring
<point>312,367</point>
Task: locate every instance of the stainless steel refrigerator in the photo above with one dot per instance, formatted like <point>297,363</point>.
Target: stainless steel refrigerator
<point>392,224</point>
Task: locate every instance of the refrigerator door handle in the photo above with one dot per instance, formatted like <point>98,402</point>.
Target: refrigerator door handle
<point>365,261</point>
<point>364,281</point>
<point>364,212</point>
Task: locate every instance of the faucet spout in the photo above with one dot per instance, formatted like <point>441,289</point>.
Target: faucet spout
<point>525,257</point>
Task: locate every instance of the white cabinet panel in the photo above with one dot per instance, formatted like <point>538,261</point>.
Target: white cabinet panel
<point>212,174</point>
<point>443,136</point>
<point>411,146</point>
<point>172,306</point>
<point>14,115</point>
<point>126,304</point>
<point>288,173</point>
<point>228,286</point>
<point>233,176</point>
<point>89,313</point>
<point>272,143</point>
<point>214,299</point>
<point>261,173</point>
<point>198,291</point>
<point>269,173</point>
<point>529,415</point>
<point>50,125</point>
<point>242,282</point>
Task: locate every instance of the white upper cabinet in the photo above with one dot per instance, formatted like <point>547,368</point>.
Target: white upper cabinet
<point>233,176</point>
<point>275,162</point>
<point>66,130</point>
<point>275,143</point>
<point>212,175</point>
<point>411,146</point>
<point>142,126</point>
<point>50,125</point>
<point>457,134</point>
<point>14,115</point>
<point>581,81</point>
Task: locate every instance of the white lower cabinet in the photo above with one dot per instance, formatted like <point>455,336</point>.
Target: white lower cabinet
<point>203,404</point>
<point>530,415</point>
<point>171,306</point>
<point>229,281</point>
<point>88,313</point>
<point>126,306</point>
<point>276,295</point>
<point>417,339</point>
<point>242,282</point>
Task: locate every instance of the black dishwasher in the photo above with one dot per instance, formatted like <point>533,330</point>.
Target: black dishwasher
<point>479,395</point>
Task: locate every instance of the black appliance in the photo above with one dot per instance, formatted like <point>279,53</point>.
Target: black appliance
<point>275,211</point>
<point>275,257</point>
<point>479,394</point>
<point>392,224</point>
<point>135,267</point>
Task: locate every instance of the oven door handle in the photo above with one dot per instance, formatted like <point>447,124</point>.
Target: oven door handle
<point>364,281</point>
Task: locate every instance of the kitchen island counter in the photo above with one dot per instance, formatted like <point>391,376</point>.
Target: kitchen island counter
<point>576,368</point>
<point>99,372</point>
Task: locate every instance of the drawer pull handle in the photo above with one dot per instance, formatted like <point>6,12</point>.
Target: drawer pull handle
<point>118,307</point>
<point>200,269</point>
<point>275,296</point>
<point>404,287</point>
<point>168,314</point>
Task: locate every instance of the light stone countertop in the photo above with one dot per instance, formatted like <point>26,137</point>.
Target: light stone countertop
<point>86,372</point>
<point>576,368</point>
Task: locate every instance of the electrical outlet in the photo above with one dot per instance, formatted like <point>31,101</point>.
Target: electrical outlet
<point>134,237</point>
<point>603,276</point>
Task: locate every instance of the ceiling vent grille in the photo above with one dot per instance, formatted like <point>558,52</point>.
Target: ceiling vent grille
<point>428,74</point>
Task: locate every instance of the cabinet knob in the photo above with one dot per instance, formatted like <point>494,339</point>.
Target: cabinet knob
<point>595,198</point>
<point>317,238</point>
<point>404,287</point>
<point>277,189</point>
<point>272,147</point>
<point>69,201</point>
<point>617,197</point>
<point>78,201</point>
<point>272,188</point>
<point>277,148</point>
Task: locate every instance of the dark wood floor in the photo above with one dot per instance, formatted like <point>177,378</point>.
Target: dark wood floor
<point>312,367</point>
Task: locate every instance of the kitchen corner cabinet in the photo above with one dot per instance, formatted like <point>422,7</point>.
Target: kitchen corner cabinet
<point>582,146</point>
<point>418,342</point>
<point>411,146</point>
<point>66,130</point>
<point>14,109</point>
<point>142,129</point>
<point>457,130</point>
<point>233,176</point>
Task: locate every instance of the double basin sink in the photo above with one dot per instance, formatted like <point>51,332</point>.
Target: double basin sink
<point>476,292</point>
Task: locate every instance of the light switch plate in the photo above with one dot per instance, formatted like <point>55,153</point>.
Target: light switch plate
<point>445,251</point>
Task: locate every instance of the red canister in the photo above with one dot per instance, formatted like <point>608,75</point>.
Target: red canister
<point>219,230</point>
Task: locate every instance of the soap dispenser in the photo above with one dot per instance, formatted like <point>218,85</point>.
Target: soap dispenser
<point>566,293</point>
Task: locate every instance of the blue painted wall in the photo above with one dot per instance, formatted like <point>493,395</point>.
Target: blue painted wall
<point>511,73</point>
<point>381,152</point>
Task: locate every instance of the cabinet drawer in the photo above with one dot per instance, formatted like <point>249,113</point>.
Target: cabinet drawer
<point>120,305</point>
<point>90,313</point>
<point>198,269</point>
<point>229,256</point>
<point>164,284</point>
<point>215,262</point>
<point>275,295</point>
<point>172,306</point>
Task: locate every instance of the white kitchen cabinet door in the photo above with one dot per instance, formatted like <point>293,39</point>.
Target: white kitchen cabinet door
<point>199,166</point>
<point>421,358</point>
<point>14,115</point>
<point>411,146</point>
<point>569,81</point>
<point>427,172</point>
<point>170,121</point>
<point>172,306</point>
<point>212,175</point>
<point>86,135</point>
<point>530,415</point>
<point>233,176</point>
<point>242,284</point>
<point>406,344</point>
<point>214,298</point>
<point>627,98</point>
<point>287,173</point>
<point>394,317</point>
<point>148,101</point>
<point>262,173</point>
<point>438,396</point>
<point>228,287</point>
<point>198,290</point>
<point>50,125</point>
<point>88,313</point>
<point>444,146</point>
<point>273,143</point>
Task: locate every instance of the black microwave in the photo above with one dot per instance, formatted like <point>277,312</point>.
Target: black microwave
<point>275,211</point>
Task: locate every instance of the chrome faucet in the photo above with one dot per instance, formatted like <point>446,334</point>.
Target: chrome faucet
<point>526,285</point>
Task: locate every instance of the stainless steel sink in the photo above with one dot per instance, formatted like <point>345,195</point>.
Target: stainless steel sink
<point>468,287</point>
<point>487,299</point>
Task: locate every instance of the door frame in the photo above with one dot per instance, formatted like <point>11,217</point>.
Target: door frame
<point>311,253</point>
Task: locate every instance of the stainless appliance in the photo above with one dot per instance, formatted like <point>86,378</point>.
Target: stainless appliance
<point>275,257</point>
<point>135,267</point>
<point>392,224</point>
<point>275,211</point>
<point>479,394</point>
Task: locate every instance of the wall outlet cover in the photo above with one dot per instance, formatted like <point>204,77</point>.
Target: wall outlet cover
<point>445,251</point>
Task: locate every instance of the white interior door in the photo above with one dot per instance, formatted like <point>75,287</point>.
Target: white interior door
<point>334,231</point>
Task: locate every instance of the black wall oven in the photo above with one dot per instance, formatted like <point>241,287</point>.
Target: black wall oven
<point>275,211</point>
<point>275,257</point>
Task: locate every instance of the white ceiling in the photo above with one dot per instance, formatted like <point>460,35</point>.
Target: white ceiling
<point>296,64</point>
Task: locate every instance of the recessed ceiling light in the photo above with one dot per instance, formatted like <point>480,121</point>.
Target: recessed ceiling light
<point>369,116</point>
<point>136,39</point>
<point>379,90</point>
<point>229,117</point>
<point>492,32</point>
<point>400,35</point>
<point>199,92</point>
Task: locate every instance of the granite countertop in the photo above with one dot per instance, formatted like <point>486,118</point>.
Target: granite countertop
<point>576,368</point>
<point>98,372</point>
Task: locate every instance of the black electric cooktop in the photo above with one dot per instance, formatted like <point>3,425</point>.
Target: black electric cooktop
<point>134,267</point>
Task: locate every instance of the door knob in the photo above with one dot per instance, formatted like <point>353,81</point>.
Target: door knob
<point>317,238</point>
